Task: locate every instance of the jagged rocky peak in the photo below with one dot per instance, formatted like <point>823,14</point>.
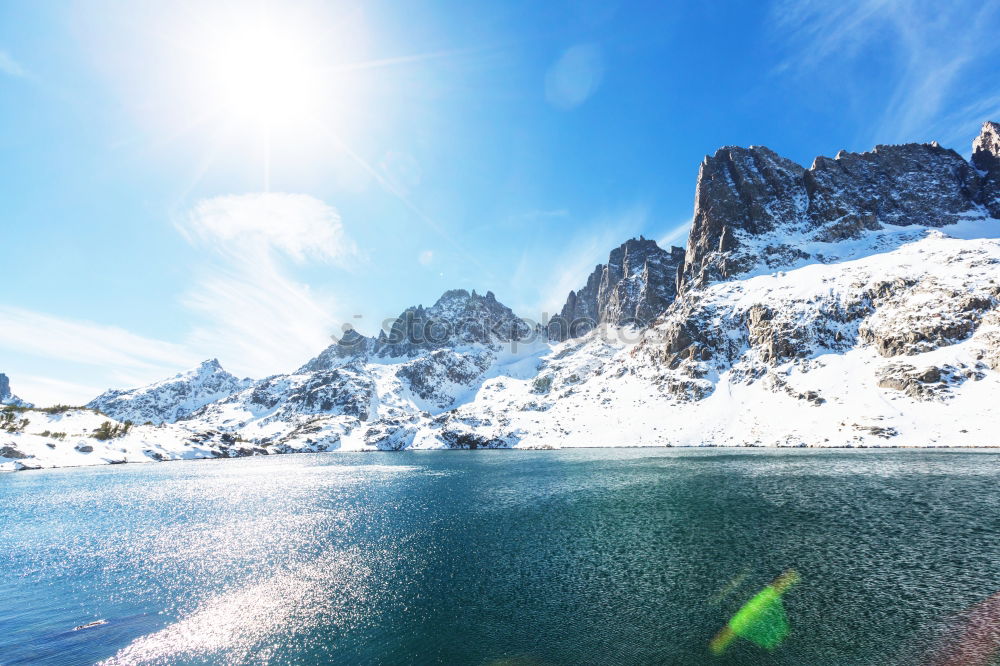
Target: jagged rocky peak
<point>634,287</point>
<point>171,399</point>
<point>459,317</point>
<point>744,195</point>
<point>986,147</point>
<point>986,158</point>
<point>351,346</point>
<point>8,398</point>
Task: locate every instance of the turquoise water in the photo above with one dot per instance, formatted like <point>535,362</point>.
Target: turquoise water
<point>478,557</point>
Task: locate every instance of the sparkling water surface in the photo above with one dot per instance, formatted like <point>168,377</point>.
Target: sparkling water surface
<point>596,556</point>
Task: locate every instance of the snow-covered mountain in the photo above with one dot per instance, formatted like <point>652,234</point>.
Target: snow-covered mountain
<point>431,360</point>
<point>171,399</point>
<point>854,303</point>
<point>8,398</point>
<point>756,210</point>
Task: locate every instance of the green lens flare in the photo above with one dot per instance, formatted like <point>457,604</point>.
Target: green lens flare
<point>762,620</point>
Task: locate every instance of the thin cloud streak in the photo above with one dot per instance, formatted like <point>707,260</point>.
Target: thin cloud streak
<point>675,236</point>
<point>11,67</point>
<point>45,391</point>
<point>935,47</point>
<point>87,342</point>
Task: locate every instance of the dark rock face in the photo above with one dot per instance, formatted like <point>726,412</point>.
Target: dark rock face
<point>8,398</point>
<point>911,331</point>
<point>432,377</point>
<point>744,194</point>
<point>637,284</point>
<point>986,158</point>
<point>348,389</point>
<point>12,453</point>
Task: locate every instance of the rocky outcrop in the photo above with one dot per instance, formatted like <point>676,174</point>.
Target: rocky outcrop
<point>457,318</point>
<point>986,158</point>
<point>922,317</point>
<point>8,398</point>
<point>636,285</point>
<point>352,345</point>
<point>755,209</point>
<point>740,192</point>
<point>918,302</point>
<point>347,390</point>
<point>171,399</point>
<point>928,383</point>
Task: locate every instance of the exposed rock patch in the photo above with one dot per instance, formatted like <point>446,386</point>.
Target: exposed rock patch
<point>633,288</point>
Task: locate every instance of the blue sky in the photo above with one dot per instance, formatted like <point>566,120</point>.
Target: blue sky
<point>189,180</point>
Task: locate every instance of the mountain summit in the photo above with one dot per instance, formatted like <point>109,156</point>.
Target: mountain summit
<point>457,318</point>
<point>170,399</point>
<point>986,158</point>
<point>636,285</point>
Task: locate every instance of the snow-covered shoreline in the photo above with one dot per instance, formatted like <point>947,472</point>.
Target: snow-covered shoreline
<point>62,459</point>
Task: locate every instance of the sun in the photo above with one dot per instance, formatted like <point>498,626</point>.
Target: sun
<point>267,89</point>
<point>266,73</point>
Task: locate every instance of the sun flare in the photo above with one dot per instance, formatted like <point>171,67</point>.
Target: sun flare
<point>265,73</point>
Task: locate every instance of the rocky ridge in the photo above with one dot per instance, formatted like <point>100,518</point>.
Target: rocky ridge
<point>636,285</point>
<point>171,399</point>
<point>986,158</point>
<point>755,210</point>
<point>8,398</point>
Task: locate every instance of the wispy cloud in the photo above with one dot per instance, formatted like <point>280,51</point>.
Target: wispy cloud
<point>676,235</point>
<point>87,342</point>
<point>109,355</point>
<point>11,67</point>
<point>44,391</point>
<point>261,224</point>
<point>255,313</point>
<point>940,56</point>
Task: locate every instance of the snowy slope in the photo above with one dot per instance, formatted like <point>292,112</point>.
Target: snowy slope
<point>171,399</point>
<point>897,349</point>
<point>66,439</point>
